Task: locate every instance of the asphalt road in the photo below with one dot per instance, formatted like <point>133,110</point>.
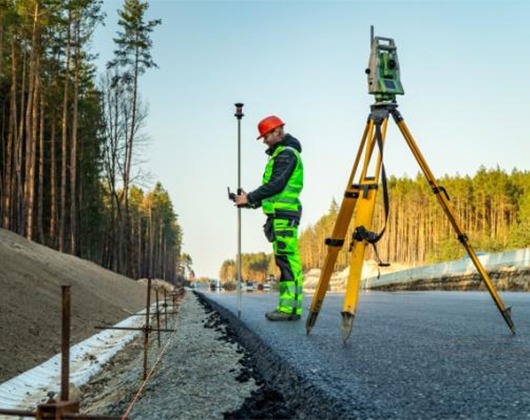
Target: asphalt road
<point>411,355</point>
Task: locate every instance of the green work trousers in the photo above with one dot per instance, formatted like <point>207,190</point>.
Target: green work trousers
<point>287,258</point>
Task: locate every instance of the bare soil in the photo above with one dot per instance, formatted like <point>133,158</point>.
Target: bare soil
<point>31,276</point>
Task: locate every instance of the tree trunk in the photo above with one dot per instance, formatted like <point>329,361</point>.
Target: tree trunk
<point>73,150</point>
<point>19,200</point>
<point>127,173</point>
<point>2,13</point>
<point>31,127</point>
<point>9,179</point>
<point>53,186</point>
<point>32,139</point>
<point>64,131</point>
<point>40,202</point>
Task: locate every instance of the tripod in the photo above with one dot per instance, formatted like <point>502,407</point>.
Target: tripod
<point>361,197</point>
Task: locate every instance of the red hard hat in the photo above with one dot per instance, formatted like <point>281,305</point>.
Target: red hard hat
<point>266,125</point>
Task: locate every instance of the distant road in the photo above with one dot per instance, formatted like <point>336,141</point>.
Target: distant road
<point>411,355</point>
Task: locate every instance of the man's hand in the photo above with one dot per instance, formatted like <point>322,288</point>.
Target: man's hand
<point>242,199</point>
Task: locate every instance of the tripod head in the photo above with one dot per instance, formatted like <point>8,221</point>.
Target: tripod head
<point>383,69</point>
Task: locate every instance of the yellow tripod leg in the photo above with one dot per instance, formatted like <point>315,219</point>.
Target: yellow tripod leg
<point>363,220</point>
<point>444,202</point>
<point>340,229</point>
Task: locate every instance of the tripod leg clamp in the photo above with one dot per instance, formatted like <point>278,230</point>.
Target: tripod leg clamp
<point>334,242</point>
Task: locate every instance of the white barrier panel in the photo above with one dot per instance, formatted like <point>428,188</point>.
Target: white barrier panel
<point>491,262</point>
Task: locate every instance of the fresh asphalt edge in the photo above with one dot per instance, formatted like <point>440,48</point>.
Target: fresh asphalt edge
<point>301,395</point>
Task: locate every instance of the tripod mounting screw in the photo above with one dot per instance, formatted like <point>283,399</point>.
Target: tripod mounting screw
<point>239,110</point>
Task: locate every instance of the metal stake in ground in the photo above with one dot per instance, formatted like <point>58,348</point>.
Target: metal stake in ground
<point>64,408</point>
<point>146,328</point>
<point>65,342</point>
<point>157,316</point>
<point>239,115</point>
<point>165,307</point>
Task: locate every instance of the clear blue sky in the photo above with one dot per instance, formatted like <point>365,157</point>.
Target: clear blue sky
<point>463,64</point>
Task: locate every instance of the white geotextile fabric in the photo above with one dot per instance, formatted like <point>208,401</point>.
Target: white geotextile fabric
<point>27,390</point>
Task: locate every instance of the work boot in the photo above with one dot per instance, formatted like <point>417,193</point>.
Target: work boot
<point>281,316</point>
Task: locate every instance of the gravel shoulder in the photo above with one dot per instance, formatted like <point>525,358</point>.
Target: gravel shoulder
<point>204,374</point>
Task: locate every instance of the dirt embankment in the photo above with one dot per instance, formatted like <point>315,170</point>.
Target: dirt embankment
<point>31,276</point>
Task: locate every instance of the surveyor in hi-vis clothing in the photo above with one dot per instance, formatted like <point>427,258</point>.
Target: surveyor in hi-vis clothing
<point>278,196</point>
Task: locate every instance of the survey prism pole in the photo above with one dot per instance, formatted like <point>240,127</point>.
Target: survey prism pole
<point>239,115</point>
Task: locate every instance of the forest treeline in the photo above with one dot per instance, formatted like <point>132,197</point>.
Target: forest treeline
<point>254,267</point>
<point>493,208</point>
<point>69,137</point>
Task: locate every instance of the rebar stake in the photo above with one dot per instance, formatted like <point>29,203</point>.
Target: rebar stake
<point>157,317</point>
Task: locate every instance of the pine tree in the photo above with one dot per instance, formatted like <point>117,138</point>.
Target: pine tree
<point>131,59</point>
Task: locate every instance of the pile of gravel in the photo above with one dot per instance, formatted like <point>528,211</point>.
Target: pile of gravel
<point>204,374</point>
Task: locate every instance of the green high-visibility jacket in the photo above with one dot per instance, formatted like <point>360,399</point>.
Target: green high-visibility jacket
<point>286,201</point>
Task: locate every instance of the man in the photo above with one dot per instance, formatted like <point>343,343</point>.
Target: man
<point>278,196</point>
